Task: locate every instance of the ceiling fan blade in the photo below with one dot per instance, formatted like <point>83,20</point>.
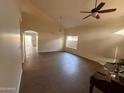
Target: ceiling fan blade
<point>85,12</point>
<point>99,6</point>
<point>96,4</point>
<point>107,10</point>
<point>87,16</point>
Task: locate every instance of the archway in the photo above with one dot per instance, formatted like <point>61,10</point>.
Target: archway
<point>30,42</point>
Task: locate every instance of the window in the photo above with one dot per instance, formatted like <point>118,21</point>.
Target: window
<point>121,32</point>
<point>71,42</point>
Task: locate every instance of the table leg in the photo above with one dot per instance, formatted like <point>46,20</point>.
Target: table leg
<point>91,88</point>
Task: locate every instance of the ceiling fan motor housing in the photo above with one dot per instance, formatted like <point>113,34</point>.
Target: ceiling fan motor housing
<point>93,10</point>
<point>94,14</point>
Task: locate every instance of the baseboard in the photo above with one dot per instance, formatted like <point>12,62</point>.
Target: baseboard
<point>49,51</point>
<point>95,59</point>
<point>92,58</point>
<point>18,88</point>
<point>98,59</point>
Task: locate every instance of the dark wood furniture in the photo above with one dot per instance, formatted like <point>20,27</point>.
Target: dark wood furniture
<point>106,83</point>
<point>117,86</point>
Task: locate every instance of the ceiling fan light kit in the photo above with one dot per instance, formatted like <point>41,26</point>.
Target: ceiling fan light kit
<point>97,10</point>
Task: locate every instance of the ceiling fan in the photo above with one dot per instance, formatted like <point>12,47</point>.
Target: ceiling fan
<point>97,10</point>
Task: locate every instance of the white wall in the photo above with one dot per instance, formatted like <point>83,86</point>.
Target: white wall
<point>10,57</point>
<point>97,40</point>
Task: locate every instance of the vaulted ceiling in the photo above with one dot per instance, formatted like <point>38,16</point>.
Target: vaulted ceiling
<point>70,10</point>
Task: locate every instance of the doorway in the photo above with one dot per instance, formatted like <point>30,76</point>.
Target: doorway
<point>30,43</point>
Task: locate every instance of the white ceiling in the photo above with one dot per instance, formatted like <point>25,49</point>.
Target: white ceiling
<point>70,10</point>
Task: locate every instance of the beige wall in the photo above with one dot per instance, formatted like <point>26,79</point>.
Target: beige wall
<point>49,37</point>
<point>97,40</point>
<point>10,57</point>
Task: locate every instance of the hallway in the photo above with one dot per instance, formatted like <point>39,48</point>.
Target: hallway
<point>57,72</point>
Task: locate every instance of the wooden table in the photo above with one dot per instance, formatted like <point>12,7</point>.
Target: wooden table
<point>107,83</point>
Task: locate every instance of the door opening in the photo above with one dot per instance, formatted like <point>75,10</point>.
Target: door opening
<point>30,43</point>
<point>28,40</point>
